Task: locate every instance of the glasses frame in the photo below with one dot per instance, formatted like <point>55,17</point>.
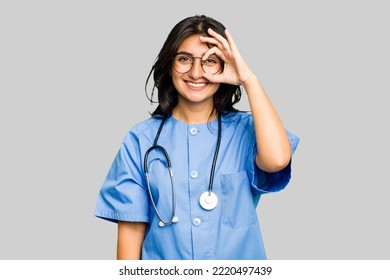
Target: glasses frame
<point>192,63</point>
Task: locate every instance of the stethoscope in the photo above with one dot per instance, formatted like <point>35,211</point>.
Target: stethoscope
<point>208,200</point>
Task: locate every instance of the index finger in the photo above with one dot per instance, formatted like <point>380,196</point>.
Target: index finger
<point>219,38</point>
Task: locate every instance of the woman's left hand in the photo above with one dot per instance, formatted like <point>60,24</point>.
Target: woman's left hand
<point>236,71</point>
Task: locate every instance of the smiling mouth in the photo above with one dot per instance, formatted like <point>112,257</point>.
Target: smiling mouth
<point>196,85</point>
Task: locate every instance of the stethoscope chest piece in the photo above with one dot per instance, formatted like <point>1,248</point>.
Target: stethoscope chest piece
<point>208,200</point>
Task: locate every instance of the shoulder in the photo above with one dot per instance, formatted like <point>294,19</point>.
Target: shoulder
<point>239,120</point>
<point>143,130</point>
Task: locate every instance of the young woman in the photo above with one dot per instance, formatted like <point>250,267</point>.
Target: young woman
<point>186,182</point>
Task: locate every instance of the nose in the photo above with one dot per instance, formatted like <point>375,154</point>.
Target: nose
<point>196,71</point>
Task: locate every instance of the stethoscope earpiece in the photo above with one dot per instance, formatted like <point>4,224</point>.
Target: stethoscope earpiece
<point>174,220</point>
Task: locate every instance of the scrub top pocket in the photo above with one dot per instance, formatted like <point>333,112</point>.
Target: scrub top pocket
<point>237,208</point>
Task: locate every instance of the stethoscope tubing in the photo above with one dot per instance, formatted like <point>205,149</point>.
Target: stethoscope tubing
<point>158,147</point>
<point>155,146</point>
<point>215,156</point>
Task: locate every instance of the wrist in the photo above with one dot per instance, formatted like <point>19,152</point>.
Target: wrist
<point>250,79</point>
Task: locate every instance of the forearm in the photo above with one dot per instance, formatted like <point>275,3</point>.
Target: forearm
<point>130,239</point>
<point>273,146</point>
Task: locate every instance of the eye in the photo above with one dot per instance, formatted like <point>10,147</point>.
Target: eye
<point>211,60</point>
<point>185,59</point>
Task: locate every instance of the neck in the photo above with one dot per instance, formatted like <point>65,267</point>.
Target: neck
<point>194,114</point>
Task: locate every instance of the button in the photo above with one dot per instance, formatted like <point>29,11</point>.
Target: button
<point>194,174</point>
<point>193,130</point>
<point>196,222</point>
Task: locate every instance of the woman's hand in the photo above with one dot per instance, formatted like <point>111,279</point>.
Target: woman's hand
<point>236,71</point>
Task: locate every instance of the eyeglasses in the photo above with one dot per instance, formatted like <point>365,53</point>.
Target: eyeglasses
<point>182,63</point>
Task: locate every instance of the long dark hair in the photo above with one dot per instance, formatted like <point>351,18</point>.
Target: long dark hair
<point>226,95</point>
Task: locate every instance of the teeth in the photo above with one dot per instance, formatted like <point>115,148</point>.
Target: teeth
<point>197,85</point>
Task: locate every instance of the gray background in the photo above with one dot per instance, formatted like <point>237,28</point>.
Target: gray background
<point>71,83</point>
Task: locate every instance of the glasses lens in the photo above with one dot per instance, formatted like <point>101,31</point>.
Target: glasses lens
<point>212,64</point>
<point>182,63</point>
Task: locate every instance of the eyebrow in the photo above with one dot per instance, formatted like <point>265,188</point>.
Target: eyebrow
<point>190,54</point>
<point>187,53</point>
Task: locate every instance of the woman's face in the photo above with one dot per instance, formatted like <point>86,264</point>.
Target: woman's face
<point>192,87</point>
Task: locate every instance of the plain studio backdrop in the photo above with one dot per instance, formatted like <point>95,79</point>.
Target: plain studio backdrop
<point>72,77</point>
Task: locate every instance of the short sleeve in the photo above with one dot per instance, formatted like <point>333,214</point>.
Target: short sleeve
<point>123,196</point>
<point>265,182</point>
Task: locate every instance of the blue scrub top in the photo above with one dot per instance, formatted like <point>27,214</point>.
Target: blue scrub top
<point>231,230</point>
